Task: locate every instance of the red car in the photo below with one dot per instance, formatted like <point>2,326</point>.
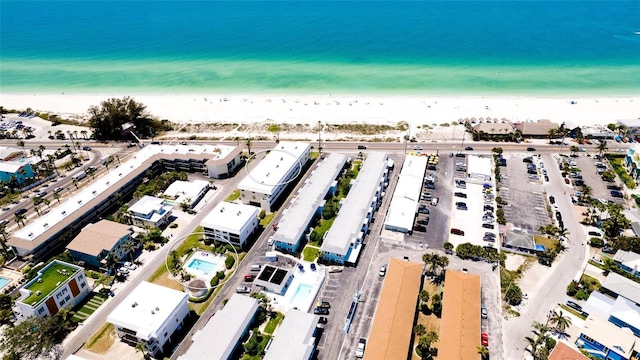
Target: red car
<point>567,181</point>
<point>485,339</point>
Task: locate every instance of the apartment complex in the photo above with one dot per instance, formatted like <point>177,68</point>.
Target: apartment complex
<point>406,197</point>
<point>96,241</point>
<point>265,183</point>
<point>150,211</point>
<point>232,222</point>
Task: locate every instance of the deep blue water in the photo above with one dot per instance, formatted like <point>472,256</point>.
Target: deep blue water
<point>430,46</point>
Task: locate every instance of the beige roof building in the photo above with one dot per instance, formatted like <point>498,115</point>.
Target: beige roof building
<point>95,240</point>
<point>460,330</point>
<point>390,336</point>
<point>538,128</point>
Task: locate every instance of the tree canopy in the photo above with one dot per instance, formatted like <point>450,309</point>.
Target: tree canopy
<point>108,119</point>
<point>36,336</point>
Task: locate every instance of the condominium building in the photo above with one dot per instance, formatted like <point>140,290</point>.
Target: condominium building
<point>59,285</point>
<point>96,241</point>
<point>232,222</point>
<point>266,182</point>
<point>150,211</point>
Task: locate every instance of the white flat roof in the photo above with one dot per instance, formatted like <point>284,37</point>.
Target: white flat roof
<point>11,167</point>
<point>153,305</point>
<point>106,182</point>
<point>182,190</point>
<point>303,207</point>
<point>356,205</point>
<point>294,339</point>
<point>221,334</point>
<point>406,196</point>
<point>479,165</point>
<point>147,204</point>
<point>230,217</point>
<point>621,340</point>
<point>622,286</point>
<point>272,170</point>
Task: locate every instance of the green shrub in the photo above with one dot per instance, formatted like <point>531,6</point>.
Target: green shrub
<point>582,295</point>
<point>596,242</point>
<point>262,214</point>
<point>572,288</point>
<point>229,262</point>
<point>214,281</point>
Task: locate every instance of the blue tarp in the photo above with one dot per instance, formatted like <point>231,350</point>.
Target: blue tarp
<point>540,247</point>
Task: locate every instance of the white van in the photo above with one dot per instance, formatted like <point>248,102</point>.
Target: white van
<point>434,201</point>
<point>255,268</point>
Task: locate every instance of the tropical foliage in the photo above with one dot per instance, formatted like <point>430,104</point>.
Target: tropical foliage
<point>109,119</point>
<point>36,336</point>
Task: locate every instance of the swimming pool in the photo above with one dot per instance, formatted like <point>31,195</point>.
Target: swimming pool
<point>3,282</point>
<point>206,267</point>
<point>300,298</point>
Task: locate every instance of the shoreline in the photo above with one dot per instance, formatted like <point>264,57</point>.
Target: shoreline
<point>369,109</point>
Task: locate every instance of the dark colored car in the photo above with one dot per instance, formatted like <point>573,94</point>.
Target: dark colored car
<point>321,311</point>
<point>460,155</point>
<point>614,187</point>
<point>21,211</point>
<point>362,147</point>
<point>249,278</point>
<point>616,193</point>
<point>322,320</point>
<point>552,199</point>
<point>573,305</point>
<point>461,194</point>
<point>469,148</point>
<point>420,228</point>
<point>531,149</point>
<point>527,160</point>
<point>488,226</point>
<point>423,221</point>
<point>457,232</point>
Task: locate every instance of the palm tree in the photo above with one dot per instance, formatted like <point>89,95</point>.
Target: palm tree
<point>141,347</point>
<point>3,241</point>
<point>21,144</point>
<point>608,264</point>
<point>483,351</point>
<point>602,147</point>
<point>560,321</point>
<point>84,134</point>
<point>532,344</point>
<point>110,261</point>
<point>56,196</point>
<point>563,232</point>
<point>129,246</point>
<point>20,219</point>
<point>248,142</point>
<point>552,133</point>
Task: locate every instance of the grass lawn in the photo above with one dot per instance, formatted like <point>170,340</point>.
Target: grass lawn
<point>166,281</point>
<point>548,243</point>
<point>430,322</point>
<point>273,323</point>
<point>50,280</point>
<point>310,253</point>
<point>233,196</point>
<point>90,304</point>
<point>572,311</point>
<point>591,283</point>
<point>267,220</point>
<point>102,340</point>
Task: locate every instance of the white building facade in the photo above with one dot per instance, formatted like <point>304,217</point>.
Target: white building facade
<point>406,197</point>
<point>43,299</point>
<point>189,192</point>
<point>150,211</point>
<point>233,222</point>
<point>265,183</point>
<point>151,314</point>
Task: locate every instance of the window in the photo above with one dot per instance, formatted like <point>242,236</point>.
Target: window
<point>81,277</point>
<point>83,284</point>
<point>62,302</point>
<point>165,334</point>
<point>41,310</point>
<point>67,298</point>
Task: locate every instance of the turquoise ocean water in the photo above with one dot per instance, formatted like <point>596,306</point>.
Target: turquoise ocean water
<point>478,47</point>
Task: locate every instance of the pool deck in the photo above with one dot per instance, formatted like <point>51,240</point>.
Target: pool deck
<point>13,277</point>
<point>314,279</point>
<point>206,257</point>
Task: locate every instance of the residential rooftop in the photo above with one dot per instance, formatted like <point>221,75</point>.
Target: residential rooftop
<point>295,337</point>
<point>406,196</point>
<point>273,169</point>
<point>180,190</point>
<point>356,205</point>
<point>618,339</point>
<point>43,228</point>
<point>229,217</point>
<point>622,286</point>
<point>296,218</point>
<point>50,278</point>
<point>103,235</point>
<point>146,308</point>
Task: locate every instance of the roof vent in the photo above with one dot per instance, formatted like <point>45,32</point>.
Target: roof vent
<point>108,182</point>
<point>30,234</point>
<point>281,158</point>
<point>94,192</point>
<point>134,304</point>
<point>38,293</point>
<point>64,213</point>
<point>46,225</point>
<point>153,312</point>
<point>157,308</point>
<point>239,212</point>
<point>79,201</point>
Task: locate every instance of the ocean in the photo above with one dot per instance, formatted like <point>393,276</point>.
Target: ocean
<point>482,47</point>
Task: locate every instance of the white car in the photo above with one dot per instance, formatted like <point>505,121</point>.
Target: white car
<point>270,241</point>
<point>362,344</point>
<point>383,270</point>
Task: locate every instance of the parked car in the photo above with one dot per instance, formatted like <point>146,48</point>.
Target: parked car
<point>483,312</point>
<point>487,226</point>
<point>243,289</point>
<point>420,228</point>
<point>573,305</point>
<point>86,148</point>
<point>322,320</point>
<point>614,187</point>
<point>457,232</point>
<point>423,221</point>
<point>461,194</point>
<point>485,339</point>
<point>20,211</point>
<point>249,277</point>
<point>469,148</point>
<point>531,149</point>
<point>383,270</point>
<point>528,159</point>
<point>321,311</point>
<point>423,211</point>
<point>567,181</point>
<point>362,344</point>
<point>323,304</point>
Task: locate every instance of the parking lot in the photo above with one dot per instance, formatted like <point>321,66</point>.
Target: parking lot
<point>526,207</point>
<point>594,180</point>
<point>436,231</point>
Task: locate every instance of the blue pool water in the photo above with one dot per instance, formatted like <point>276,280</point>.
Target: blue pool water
<point>301,295</point>
<point>3,282</point>
<point>201,265</point>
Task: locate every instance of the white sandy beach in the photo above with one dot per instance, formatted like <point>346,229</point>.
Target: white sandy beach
<point>309,109</point>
